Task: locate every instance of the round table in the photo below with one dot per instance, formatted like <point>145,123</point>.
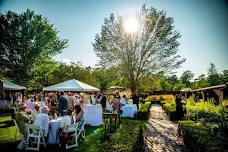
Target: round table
<point>129,110</point>
<point>93,114</point>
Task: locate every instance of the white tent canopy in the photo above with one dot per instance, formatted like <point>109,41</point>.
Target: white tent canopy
<point>71,85</point>
<point>115,87</point>
<point>7,85</point>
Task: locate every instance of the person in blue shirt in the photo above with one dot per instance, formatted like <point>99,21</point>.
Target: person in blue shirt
<point>63,105</point>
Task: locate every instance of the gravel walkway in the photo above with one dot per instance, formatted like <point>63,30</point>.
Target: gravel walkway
<point>162,134</point>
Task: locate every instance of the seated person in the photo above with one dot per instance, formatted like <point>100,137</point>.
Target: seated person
<point>68,119</point>
<point>22,118</point>
<point>42,120</point>
<point>79,115</point>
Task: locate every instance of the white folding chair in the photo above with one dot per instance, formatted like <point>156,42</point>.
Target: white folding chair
<point>81,131</point>
<point>34,136</point>
<point>72,129</point>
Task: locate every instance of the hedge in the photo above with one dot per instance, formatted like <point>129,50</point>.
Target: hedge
<point>170,109</point>
<point>127,138</point>
<point>144,111</point>
<point>201,138</point>
<point>204,110</point>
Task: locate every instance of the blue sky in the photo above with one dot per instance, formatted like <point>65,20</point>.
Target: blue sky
<point>203,25</point>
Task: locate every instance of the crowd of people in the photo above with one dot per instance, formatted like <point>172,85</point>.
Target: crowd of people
<point>40,108</point>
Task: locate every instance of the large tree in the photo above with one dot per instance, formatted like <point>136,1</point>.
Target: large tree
<point>152,48</point>
<point>186,78</point>
<point>26,39</point>
<point>213,76</point>
<point>224,77</point>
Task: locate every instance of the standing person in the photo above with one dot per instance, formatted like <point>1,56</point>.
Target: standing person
<point>135,99</point>
<point>70,100</point>
<point>63,105</point>
<point>93,98</point>
<point>103,101</point>
<point>179,108</point>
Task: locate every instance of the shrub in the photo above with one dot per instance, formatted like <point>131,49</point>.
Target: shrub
<point>170,109</point>
<point>158,98</point>
<point>128,138</point>
<point>143,111</point>
<point>201,138</point>
<point>204,110</point>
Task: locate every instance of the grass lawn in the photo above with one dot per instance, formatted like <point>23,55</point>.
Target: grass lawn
<point>8,130</point>
<point>92,142</point>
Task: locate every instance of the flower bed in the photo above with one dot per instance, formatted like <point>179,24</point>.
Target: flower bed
<point>127,138</point>
<point>143,111</point>
<point>199,137</point>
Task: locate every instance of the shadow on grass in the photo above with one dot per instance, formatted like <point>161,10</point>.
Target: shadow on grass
<point>6,124</point>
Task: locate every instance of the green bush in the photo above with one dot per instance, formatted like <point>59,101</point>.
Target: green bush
<point>143,111</point>
<point>199,137</point>
<point>127,138</point>
<point>204,110</point>
<point>170,109</point>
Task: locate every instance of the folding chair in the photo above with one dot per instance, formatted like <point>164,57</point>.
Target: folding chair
<point>81,129</point>
<point>34,136</point>
<point>17,129</point>
<point>72,130</point>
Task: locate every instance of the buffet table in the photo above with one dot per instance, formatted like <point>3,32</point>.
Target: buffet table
<point>93,114</point>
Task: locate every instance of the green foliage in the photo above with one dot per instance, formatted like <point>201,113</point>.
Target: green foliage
<point>42,74</point>
<point>213,77</point>
<point>202,138</point>
<point>127,138</point>
<point>152,49</point>
<point>170,106</point>
<point>143,111</point>
<point>224,77</point>
<point>26,39</point>
<point>186,78</point>
<point>204,110</point>
<point>107,77</point>
<point>201,82</point>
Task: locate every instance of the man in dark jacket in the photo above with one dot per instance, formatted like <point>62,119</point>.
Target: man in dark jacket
<point>63,105</point>
<point>135,99</point>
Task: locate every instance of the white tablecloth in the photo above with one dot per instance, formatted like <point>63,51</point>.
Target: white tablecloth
<point>129,110</point>
<point>93,114</point>
<point>54,132</point>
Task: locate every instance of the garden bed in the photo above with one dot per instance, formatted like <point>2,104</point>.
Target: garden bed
<point>127,138</point>
<point>144,111</point>
<point>200,138</point>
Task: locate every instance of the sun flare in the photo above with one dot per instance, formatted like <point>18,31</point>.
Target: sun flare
<point>130,24</point>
